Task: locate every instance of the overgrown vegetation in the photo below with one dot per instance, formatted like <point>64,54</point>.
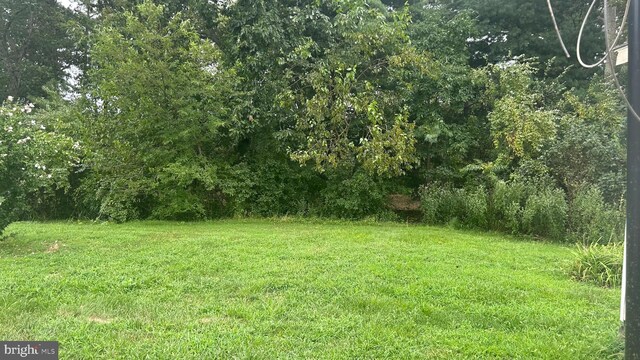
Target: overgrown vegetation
<point>598,264</point>
<point>189,110</point>
<point>525,208</point>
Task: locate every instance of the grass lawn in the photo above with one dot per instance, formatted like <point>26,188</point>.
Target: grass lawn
<point>297,289</point>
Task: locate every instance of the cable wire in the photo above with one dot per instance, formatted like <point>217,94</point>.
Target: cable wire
<point>555,25</point>
<point>610,63</point>
<point>609,47</point>
<point>615,41</point>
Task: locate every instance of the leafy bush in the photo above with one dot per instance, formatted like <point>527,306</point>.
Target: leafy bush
<point>430,199</point>
<point>356,197</point>
<point>433,198</point>
<point>281,187</point>
<point>591,220</point>
<point>477,207</point>
<point>181,188</point>
<point>119,199</point>
<point>590,144</point>
<point>156,147</point>
<point>520,207</point>
<point>517,207</point>
<point>178,204</point>
<point>523,208</point>
<point>33,156</point>
<point>598,264</point>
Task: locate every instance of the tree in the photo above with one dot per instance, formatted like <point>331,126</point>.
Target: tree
<point>448,107</point>
<point>157,97</point>
<point>522,27</point>
<point>520,124</point>
<point>353,102</point>
<point>334,79</point>
<point>589,146</point>
<point>34,46</point>
<point>33,155</point>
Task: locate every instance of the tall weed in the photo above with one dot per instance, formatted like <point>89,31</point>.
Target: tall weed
<point>598,264</point>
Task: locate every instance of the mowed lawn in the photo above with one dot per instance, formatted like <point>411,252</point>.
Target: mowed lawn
<point>297,289</point>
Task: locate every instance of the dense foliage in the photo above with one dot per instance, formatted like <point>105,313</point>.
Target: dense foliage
<point>200,109</point>
<point>35,48</point>
<point>33,157</point>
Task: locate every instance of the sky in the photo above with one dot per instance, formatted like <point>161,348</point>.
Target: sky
<point>66,3</point>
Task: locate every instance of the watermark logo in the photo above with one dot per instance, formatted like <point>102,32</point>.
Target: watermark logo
<point>31,350</point>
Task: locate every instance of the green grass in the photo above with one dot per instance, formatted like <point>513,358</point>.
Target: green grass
<point>297,289</point>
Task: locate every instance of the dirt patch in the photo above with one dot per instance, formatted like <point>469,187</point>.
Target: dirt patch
<point>53,276</point>
<point>217,319</point>
<point>53,248</point>
<point>206,320</point>
<point>65,313</point>
<point>99,320</point>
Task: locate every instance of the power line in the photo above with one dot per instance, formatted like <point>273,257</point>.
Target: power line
<point>555,25</point>
<point>609,47</point>
<point>606,20</point>
<point>608,56</point>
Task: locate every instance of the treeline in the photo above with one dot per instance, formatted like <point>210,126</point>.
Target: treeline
<point>197,109</point>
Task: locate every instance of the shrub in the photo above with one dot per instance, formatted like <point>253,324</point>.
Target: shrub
<point>281,187</point>
<point>475,207</point>
<point>507,204</point>
<point>178,204</point>
<point>598,264</point>
<point>545,214</point>
<point>523,208</point>
<point>354,197</point>
<point>439,204</point>
<point>179,189</point>
<point>591,220</point>
<point>442,205</point>
<point>516,206</point>
<point>117,206</point>
<point>33,157</point>
<point>430,199</point>
<point>452,206</point>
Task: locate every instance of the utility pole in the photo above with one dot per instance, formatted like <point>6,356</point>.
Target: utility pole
<point>632,322</point>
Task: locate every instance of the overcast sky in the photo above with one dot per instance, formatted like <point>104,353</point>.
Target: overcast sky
<point>65,3</point>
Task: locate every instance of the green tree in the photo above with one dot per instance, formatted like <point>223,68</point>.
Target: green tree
<point>448,107</point>
<point>356,111</point>
<point>157,98</point>
<point>35,48</point>
<point>33,156</point>
<point>520,124</point>
<point>590,144</point>
<point>522,27</point>
<point>334,80</point>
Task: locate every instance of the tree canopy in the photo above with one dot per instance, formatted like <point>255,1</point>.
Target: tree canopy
<point>198,109</point>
